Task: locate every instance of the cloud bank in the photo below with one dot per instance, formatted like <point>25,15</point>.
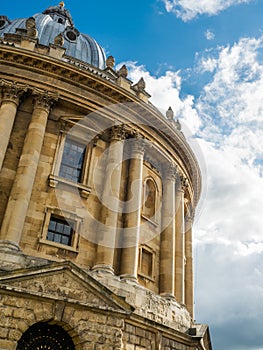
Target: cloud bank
<point>189,9</point>
<point>227,120</point>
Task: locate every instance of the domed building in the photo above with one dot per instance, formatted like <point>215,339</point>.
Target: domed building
<point>98,196</point>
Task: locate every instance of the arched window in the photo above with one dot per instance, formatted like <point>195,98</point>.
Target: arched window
<point>149,202</point>
<point>45,336</point>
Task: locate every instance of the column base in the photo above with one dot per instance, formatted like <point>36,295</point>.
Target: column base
<point>9,246</point>
<point>129,278</point>
<point>11,256</point>
<point>103,268</point>
<point>168,296</point>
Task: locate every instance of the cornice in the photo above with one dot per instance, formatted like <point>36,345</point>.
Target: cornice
<point>65,69</point>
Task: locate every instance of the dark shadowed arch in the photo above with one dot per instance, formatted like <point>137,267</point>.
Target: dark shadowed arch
<point>45,336</point>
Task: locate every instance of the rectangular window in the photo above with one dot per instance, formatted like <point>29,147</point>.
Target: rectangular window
<point>60,231</point>
<point>72,160</point>
<point>146,262</point>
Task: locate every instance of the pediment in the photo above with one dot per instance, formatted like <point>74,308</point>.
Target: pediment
<point>65,282</point>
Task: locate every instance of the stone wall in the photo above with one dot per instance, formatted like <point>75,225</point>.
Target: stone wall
<point>169,344</point>
<point>137,338</point>
<point>89,330</point>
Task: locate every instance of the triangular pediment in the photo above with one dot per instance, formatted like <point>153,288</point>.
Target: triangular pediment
<point>65,282</point>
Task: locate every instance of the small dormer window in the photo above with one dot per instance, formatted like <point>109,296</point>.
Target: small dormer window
<point>4,22</point>
<point>60,20</point>
<point>71,34</point>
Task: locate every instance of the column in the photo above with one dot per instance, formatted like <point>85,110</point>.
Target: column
<point>12,93</point>
<point>108,223</point>
<point>132,221</point>
<point>167,253</point>
<point>179,241</point>
<point>189,285</point>
<point>17,206</point>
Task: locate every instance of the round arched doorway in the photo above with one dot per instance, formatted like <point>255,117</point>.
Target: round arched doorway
<point>42,336</point>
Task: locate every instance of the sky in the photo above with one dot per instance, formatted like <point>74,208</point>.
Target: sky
<point>204,59</point>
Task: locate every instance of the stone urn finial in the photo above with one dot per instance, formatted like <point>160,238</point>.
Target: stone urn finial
<point>170,113</point>
<point>123,71</point>
<point>140,86</point>
<point>110,62</point>
<point>59,40</point>
<point>31,27</point>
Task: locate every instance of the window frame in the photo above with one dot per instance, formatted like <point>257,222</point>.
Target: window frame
<point>61,215</point>
<point>153,218</point>
<point>150,251</point>
<point>62,235</point>
<point>54,178</point>
<point>80,167</point>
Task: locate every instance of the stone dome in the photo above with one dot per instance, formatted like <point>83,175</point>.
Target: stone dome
<point>57,20</point>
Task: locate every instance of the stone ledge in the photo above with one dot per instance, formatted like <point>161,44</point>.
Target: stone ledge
<point>147,304</point>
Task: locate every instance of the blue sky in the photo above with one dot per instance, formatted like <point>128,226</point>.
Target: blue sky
<point>205,59</point>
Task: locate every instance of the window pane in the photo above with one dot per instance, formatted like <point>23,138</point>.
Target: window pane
<point>67,230</point>
<point>72,161</point>
<point>52,225</point>
<point>50,236</point>
<point>60,231</point>
<point>59,227</point>
<point>65,240</point>
<point>57,238</point>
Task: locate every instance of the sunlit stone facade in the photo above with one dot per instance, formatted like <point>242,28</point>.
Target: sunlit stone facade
<point>98,196</point>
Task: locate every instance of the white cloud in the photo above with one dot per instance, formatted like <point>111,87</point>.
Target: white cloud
<point>231,105</point>
<point>228,119</point>
<point>229,234</point>
<point>165,91</point>
<point>209,34</point>
<point>189,9</point>
<point>207,64</point>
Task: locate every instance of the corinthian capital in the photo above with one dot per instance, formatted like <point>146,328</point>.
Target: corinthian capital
<point>44,99</point>
<point>170,171</point>
<point>118,133</point>
<point>139,144</point>
<point>12,91</point>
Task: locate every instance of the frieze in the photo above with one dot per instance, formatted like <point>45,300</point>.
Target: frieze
<point>64,72</point>
<point>60,286</point>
